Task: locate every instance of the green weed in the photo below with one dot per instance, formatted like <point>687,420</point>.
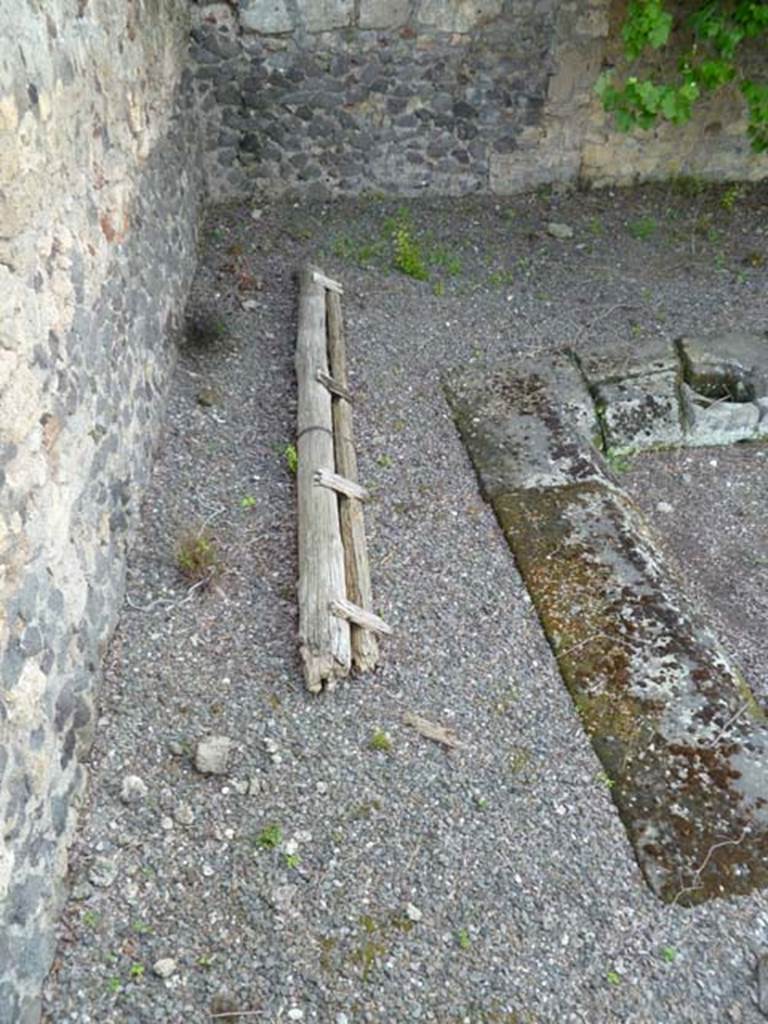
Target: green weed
<point>380,741</point>
<point>643,228</point>
<point>731,196</point>
<point>196,555</point>
<point>270,837</point>
<point>291,457</point>
<point>408,257</point>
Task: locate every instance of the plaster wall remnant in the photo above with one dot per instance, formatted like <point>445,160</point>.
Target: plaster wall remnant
<point>98,189</point>
<point>682,739</point>
<point>448,96</point>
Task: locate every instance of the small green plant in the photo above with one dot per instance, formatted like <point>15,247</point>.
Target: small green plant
<point>205,960</point>
<point>137,971</point>
<point>438,288</point>
<point>291,457</point>
<point>380,741</point>
<point>408,258</point>
<point>292,860</point>
<point>731,196</point>
<point>613,978</point>
<point>385,461</point>
<point>114,985</point>
<point>519,759</point>
<point>618,463</point>
<point>141,928</point>
<point>270,837</point>
<point>605,780</point>
<point>463,939</point>
<point>248,501</point>
<point>481,803</point>
<point>688,185</point>
<point>669,954</point>
<point>501,278</point>
<point>196,555</point>
<point>442,257</point>
<point>643,228</point>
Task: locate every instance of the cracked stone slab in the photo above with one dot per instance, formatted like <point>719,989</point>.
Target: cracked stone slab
<point>683,743</point>
<point>682,739</point>
<point>622,361</point>
<point>641,412</point>
<point>528,424</point>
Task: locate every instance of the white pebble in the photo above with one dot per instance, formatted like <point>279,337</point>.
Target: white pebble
<point>184,814</point>
<point>133,789</point>
<point>291,847</point>
<point>164,967</point>
<point>322,789</point>
<point>166,823</point>
<point>208,871</point>
<point>413,913</point>
<point>212,754</point>
<point>295,1014</point>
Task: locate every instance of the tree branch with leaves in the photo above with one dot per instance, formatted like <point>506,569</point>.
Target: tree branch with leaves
<point>712,35</point>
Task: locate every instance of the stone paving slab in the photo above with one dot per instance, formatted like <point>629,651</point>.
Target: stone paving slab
<point>682,739</point>
<point>528,424</point>
<point>641,412</point>
<point>683,744</point>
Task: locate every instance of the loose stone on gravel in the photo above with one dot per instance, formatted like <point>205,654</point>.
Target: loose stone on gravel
<point>184,814</point>
<point>164,967</point>
<point>212,755</point>
<point>133,789</point>
<point>413,913</point>
<point>560,231</point>
<point>103,872</point>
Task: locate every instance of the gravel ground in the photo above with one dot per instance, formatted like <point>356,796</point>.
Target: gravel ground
<point>322,880</point>
<point>708,508</point>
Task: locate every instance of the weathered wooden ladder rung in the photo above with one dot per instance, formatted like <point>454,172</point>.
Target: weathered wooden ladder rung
<point>327,282</point>
<point>360,617</point>
<point>340,484</point>
<point>334,387</point>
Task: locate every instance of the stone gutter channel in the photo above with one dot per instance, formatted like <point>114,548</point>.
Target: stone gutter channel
<point>683,742</point>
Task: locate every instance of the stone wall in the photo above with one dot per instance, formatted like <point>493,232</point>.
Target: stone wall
<point>97,238</point>
<point>401,96</point>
